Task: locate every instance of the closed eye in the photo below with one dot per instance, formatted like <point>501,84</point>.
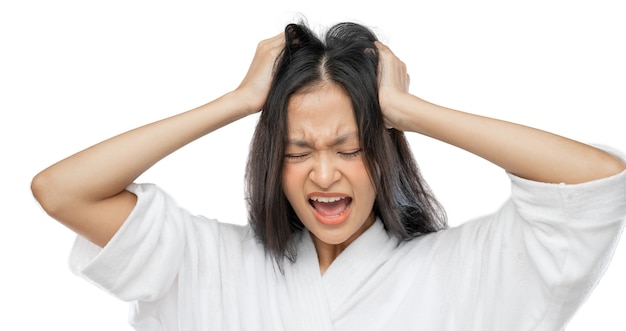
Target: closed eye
<point>296,157</point>
<point>352,154</point>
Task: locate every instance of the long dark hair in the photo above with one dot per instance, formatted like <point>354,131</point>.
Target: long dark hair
<point>348,57</point>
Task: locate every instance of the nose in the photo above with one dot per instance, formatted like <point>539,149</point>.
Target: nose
<point>325,172</point>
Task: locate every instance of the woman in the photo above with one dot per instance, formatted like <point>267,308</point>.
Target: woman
<point>343,233</point>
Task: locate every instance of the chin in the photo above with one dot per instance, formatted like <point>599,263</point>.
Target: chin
<point>336,237</point>
<point>333,240</point>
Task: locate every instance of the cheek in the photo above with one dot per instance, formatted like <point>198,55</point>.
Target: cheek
<point>293,179</point>
<point>360,179</point>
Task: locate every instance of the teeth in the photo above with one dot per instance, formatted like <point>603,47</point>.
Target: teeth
<point>326,199</point>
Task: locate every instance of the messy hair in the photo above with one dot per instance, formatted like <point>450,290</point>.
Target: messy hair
<point>347,57</point>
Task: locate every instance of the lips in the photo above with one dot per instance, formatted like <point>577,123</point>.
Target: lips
<point>330,209</point>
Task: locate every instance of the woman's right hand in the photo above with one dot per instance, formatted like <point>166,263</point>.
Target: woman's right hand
<point>256,84</point>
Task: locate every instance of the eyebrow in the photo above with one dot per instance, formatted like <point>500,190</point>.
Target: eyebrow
<point>309,144</point>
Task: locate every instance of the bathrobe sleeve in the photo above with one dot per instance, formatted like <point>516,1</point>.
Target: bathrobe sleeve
<point>569,233</point>
<point>181,271</point>
<point>532,264</point>
<point>142,260</point>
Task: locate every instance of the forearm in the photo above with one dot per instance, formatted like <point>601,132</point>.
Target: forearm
<point>527,152</point>
<point>107,168</point>
<point>86,191</point>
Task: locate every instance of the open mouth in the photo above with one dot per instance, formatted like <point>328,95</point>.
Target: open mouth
<point>330,207</point>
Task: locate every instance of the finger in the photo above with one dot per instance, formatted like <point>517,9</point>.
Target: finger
<point>381,46</point>
<point>272,44</point>
<point>408,81</point>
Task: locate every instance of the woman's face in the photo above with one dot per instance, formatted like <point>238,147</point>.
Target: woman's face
<point>324,177</point>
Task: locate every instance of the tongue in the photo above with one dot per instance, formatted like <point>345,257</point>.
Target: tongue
<point>330,208</point>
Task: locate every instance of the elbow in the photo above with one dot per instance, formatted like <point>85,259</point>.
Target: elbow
<point>615,165</point>
<point>608,165</point>
<point>43,189</point>
<point>594,165</point>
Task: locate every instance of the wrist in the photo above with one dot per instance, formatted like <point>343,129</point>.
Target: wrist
<point>403,112</point>
<point>240,104</point>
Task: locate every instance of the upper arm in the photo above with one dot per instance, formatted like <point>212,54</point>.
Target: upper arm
<point>97,221</point>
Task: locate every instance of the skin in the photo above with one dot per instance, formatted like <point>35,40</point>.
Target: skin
<point>86,191</point>
<point>527,152</point>
<point>323,158</point>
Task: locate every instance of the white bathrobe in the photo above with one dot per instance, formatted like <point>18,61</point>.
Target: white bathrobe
<point>528,266</point>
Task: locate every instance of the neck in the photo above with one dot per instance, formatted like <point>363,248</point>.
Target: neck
<point>327,253</point>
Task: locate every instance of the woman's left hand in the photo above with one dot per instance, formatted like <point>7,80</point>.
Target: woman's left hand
<point>393,84</point>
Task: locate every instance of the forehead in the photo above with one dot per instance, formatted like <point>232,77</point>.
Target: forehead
<point>320,114</point>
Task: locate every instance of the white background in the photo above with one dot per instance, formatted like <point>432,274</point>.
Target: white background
<point>73,73</point>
